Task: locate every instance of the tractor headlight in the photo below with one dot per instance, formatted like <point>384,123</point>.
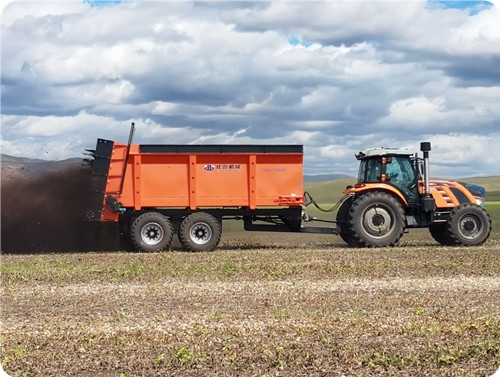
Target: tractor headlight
<point>480,202</point>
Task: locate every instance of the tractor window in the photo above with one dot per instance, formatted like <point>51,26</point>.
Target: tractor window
<point>418,164</point>
<point>370,171</point>
<point>401,173</point>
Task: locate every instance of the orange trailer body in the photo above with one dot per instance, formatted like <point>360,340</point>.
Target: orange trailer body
<point>195,177</point>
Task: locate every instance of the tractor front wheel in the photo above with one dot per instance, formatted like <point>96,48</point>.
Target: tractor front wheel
<point>376,219</point>
<point>469,225</point>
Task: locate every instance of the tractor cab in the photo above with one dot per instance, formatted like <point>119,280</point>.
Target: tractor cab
<point>395,167</point>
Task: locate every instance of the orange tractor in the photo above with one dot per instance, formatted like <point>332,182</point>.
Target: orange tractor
<point>156,191</point>
<point>394,193</point>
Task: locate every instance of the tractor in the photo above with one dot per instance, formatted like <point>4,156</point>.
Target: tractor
<point>394,193</point>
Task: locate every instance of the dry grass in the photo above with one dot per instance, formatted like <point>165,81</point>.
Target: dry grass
<point>261,305</point>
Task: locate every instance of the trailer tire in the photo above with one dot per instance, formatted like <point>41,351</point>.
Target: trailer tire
<point>376,219</point>
<point>469,225</point>
<point>200,231</point>
<point>345,232</point>
<point>151,231</point>
<point>440,233</point>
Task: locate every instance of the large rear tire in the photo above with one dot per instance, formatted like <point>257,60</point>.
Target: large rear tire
<point>345,233</point>
<point>200,231</point>
<point>151,231</point>
<point>376,219</point>
<point>469,225</point>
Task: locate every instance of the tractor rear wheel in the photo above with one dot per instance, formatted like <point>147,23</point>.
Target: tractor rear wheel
<point>376,219</point>
<point>345,233</point>
<point>469,225</point>
<point>200,231</point>
<point>151,231</point>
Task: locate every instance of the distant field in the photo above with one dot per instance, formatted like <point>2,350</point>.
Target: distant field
<point>493,196</point>
<point>493,209</point>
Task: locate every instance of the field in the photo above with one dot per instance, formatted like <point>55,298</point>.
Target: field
<point>263,304</point>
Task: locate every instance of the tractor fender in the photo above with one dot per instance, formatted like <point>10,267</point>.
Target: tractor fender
<point>362,188</point>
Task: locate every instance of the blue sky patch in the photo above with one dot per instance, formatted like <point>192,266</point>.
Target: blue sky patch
<point>473,7</point>
<point>294,41</point>
<point>102,3</point>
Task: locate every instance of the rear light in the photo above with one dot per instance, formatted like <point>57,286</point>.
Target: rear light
<point>359,185</point>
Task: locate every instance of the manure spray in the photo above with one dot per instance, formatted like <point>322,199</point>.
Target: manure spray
<point>43,212</point>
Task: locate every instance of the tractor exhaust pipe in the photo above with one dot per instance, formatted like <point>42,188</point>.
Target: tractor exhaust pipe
<point>428,201</point>
<point>426,147</point>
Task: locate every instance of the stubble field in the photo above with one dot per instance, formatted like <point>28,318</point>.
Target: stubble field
<point>262,304</point>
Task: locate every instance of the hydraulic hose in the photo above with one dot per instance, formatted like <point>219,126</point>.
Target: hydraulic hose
<point>309,200</point>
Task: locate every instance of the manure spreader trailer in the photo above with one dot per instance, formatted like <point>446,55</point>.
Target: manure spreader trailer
<point>154,191</point>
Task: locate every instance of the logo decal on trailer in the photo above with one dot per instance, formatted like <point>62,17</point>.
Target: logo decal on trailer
<point>222,167</point>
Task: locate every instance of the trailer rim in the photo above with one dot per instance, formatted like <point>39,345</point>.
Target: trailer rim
<point>152,233</point>
<point>200,233</point>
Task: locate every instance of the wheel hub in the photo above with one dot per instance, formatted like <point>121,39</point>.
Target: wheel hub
<point>201,233</point>
<point>377,221</point>
<point>152,234</point>
<point>470,227</point>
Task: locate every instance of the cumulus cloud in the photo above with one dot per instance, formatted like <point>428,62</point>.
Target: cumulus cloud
<point>334,76</point>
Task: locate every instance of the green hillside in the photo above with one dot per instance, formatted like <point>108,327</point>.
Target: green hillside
<point>324,177</point>
<point>491,184</point>
<point>329,191</point>
<point>493,196</point>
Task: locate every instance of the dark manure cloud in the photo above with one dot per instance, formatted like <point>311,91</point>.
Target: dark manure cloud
<point>43,212</point>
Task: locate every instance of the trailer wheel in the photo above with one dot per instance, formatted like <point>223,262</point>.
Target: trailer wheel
<point>469,225</point>
<point>200,231</point>
<point>376,219</point>
<point>345,233</point>
<point>440,233</point>
<point>151,231</point>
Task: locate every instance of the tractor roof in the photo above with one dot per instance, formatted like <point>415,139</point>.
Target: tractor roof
<point>374,152</point>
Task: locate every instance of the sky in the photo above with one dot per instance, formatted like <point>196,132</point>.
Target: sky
<point>335,76</point>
